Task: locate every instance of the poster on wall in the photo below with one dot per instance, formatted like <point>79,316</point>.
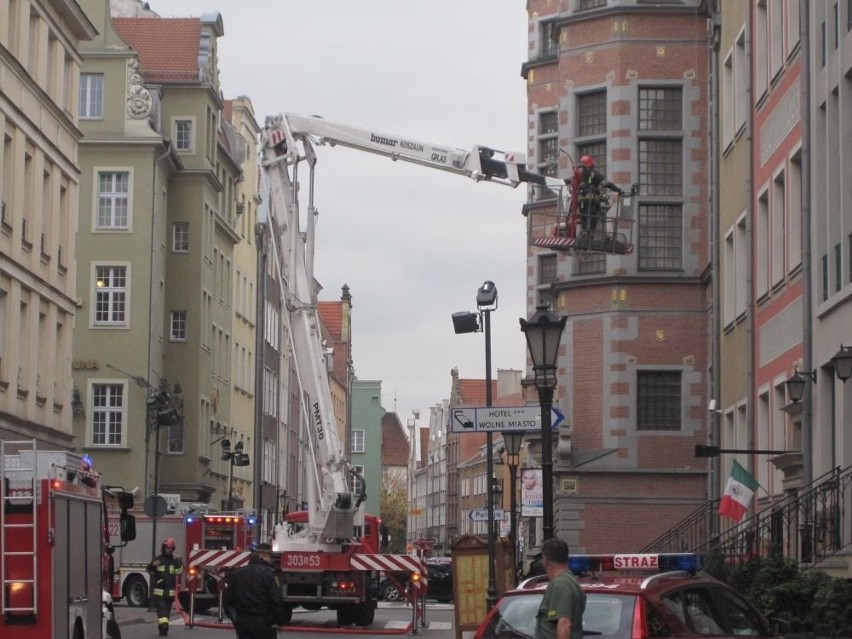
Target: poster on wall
<point>532,497</point>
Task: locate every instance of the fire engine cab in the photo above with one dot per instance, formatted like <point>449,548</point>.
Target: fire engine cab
<point>54,546</point>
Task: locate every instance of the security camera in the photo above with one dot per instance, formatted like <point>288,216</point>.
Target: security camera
<point>712,407</point>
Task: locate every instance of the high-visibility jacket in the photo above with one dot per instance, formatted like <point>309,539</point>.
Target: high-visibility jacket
<point>164,575</point>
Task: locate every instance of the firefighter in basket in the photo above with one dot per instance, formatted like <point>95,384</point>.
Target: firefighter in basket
<point>590,193</point>
<point>164,570</point>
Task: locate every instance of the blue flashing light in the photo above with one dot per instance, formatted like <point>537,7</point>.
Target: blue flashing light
<point>252,520</point>
<point>686,561</point>
<point>88,464</point>
<point>189,519</point>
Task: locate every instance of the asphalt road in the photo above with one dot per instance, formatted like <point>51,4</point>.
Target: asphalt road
<point>392,619</point>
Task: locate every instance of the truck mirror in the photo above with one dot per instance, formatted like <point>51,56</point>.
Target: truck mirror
<point>127,527</point>
<point>125,500</point>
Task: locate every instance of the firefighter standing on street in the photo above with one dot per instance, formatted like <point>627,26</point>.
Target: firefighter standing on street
<point>590,195</point>
<point>164,570</point>
<point>253,597</point>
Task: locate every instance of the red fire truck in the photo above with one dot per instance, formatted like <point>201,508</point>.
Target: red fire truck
<point>221,531</point>
<point>54,546</point>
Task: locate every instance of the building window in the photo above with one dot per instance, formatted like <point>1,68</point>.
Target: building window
<point>358,480</point>
<point>107,414</point>
<point>660,109</point>
<point>110,295</point>
<point>548,142</point>
<point>590,4</point>
<point>849,250</point>
<point>113,191</point>
<point>547,268</point>
<point>824,277</point>
<point>91,96</point>
<point>589,263</point>
<point>176,438</point>
<point>838,267</point>
<point>660,167</point>
<point>591,114</point>
<point>180,237</point>
<point>596,150</point>
<point>270,392</point>
<point>177,332</point>
<point>357,441</point>
<point>183,135</point>
<point>660,237</point>
<point>658,397</point>
<point>549,43</point>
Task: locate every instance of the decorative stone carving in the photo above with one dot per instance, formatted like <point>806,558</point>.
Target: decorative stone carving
<point>139,100</point>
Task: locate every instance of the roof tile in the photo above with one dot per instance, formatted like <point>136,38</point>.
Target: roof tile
<point>168,47</point>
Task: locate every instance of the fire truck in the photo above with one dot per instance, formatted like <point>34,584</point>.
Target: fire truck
<point>328,553</point>
<point>55,557</point>
<point>220,531</point>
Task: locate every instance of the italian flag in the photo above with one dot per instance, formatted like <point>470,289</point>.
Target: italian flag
<point>738,493</point>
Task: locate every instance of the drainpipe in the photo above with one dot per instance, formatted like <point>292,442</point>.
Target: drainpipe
<point>715,258</point>
<point>259,347</point>
<point>807,291</point>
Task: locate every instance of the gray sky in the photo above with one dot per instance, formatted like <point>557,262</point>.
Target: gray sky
<point>413,244</point>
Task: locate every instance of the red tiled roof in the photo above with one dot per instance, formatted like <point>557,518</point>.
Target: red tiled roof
<point>168,47</point>
<point>424,446</point>
<point>472,391</point>
<point>332,315</point>
<point>228,110</point>
<point>395,448</point>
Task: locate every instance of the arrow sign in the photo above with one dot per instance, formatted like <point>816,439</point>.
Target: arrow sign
<point>484,419</point>
<point>482,515</point>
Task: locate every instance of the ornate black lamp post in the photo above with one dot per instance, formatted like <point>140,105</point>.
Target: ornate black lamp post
<point>512,440</point>
<point>544,332</point>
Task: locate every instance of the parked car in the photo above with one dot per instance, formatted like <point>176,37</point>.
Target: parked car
<point>439,586</point>
<point>679,602</point>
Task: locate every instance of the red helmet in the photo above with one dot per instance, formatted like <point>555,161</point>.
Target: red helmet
<point>168,542</point>
<point>588,160</point>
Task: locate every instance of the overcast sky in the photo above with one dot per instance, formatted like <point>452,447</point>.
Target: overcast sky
<point>414,244</point>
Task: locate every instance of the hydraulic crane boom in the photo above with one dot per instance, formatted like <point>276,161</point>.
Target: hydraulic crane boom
<point>480,163</point>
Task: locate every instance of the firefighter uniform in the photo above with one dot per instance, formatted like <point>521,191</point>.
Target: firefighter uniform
<point>164,570</point>
<point>254,597</point>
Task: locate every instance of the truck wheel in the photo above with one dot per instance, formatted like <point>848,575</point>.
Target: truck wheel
<point>113,631</point>
<point>345,615</point>
<point>364,614</point>
<point>136,591</point>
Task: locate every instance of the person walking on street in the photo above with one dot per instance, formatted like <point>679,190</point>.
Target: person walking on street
<point>164,569</point>
<point>253,597</point>
<point>560,615</point>
<point>590,194</point>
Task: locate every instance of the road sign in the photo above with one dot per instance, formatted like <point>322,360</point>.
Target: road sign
<point>482,514</point>
<point>483,419</point>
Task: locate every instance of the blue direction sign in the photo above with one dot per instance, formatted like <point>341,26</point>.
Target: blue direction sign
<point>483,419</point>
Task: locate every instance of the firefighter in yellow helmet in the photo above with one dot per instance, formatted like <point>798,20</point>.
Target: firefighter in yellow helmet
<point>164,570</point>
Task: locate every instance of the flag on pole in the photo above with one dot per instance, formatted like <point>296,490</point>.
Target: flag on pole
<point>738,493</point>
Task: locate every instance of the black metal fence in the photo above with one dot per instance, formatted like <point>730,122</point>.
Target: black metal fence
<point>808,525</point>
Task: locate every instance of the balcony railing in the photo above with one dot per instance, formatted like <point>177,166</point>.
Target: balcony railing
<point>808,526</point>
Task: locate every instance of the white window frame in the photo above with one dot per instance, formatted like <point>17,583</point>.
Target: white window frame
<point>189,146</point>
<point>98,290</point>
<point>358,440</point>
<point>178,326</point>
<point>90,101</point>
<point>778,222</point>
<point>729,279</point>
<point>107,410</point>
<point>180,236</point>
<point>115,198</point>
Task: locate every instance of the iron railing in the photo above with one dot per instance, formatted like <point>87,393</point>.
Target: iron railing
<point>808,526</point>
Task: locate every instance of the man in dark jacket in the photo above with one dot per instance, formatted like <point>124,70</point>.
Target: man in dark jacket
<point>590,194</point>
<point>164,569</point>
<point>253,596</point>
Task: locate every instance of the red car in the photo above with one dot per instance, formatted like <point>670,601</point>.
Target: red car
<point>624,601</point>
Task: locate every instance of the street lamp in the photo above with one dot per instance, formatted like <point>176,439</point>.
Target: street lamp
<point>468,322</point>
<point>237,458</point>
<point>796,384</point>
<point>843,363</point>
<point>544,332</point>
<point>512,440</point>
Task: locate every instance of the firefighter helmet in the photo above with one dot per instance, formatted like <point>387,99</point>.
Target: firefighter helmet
<point>168,542</point>
<point>588,161</point>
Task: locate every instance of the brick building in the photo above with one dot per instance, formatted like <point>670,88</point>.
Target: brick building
<point>625,82</point>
